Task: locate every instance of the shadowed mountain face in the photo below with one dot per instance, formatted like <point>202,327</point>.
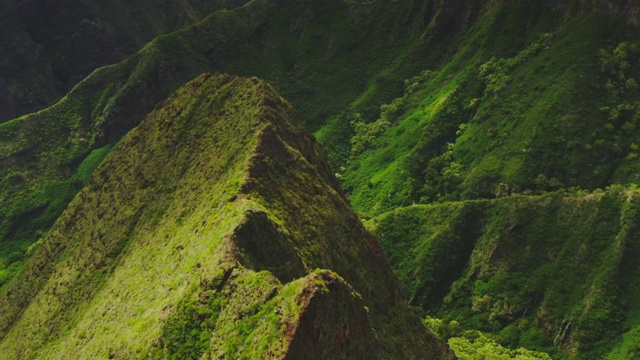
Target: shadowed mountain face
<point>557,270</point>
<point>46,157</point>
<point>215,227</point>
<point>46,47</point>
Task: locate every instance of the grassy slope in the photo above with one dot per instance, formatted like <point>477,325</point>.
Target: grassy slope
<point>48,156</point>
<point>458,136</point>
<point>188,240</point>
<point>544,120</point>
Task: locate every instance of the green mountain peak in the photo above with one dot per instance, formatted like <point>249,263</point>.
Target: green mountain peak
<point>204,232</point>
<point>491,146</point>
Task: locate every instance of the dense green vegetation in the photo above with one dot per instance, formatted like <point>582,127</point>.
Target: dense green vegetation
<point>475,345</point>
<point>48,47</point>
<point>504,117</point>
<point>551,272</point>
<point>327,71</point>
<point>474,136</point>
<point>204,232</point>
<point>507,114</point>
<point>49,145</point>
<point>510,117</point>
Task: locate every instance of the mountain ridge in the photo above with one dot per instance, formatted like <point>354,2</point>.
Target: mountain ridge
<point>50,46</point>
<point>549,271</point>
<point>445,105</point>
<point>248,207</point>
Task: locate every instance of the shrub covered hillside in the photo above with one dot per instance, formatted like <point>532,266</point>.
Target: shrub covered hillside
<point>556,272</point>
<point>509,142</point>
<point>215,227</point>
<point>320,54</point>
<point>331,58</point>
<point>530,101</point>
<point>475,137</point>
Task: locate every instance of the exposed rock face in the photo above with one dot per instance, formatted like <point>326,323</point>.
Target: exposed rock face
<point>199,235</point>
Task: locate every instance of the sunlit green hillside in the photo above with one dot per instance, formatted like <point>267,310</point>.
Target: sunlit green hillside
<point>215,228</point>
<point>492,146</point>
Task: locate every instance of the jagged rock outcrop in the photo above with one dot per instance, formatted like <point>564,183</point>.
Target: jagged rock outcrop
<point>205,232</point>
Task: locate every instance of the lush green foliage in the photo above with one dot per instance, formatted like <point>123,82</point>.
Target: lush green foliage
<point>91,163</point>
<point>47,48</point>
<point>321,64</point>
<point>473,344</point>
<point>199,235</point>
<point>457,130</point>
<point>529,101</point>
<point>508,101</point>
<point>482,348</point>
<point>543,272</point>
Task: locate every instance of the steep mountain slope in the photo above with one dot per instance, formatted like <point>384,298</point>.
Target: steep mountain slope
<point>445,103</point>
<point>199,234</point>
<point>557,271</point>
<point>507,114</point>
<point>534,98</point>
<point>45,157</point>
<point>46,47</point>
